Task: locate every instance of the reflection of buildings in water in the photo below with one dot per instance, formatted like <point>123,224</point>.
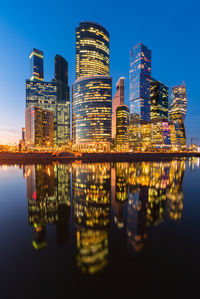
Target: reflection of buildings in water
<point>119,191</point>
<point>137,219</point>
<point>150,185</point>
<point>92,250</point>
<point>194,163</point>
<point>48,194</point>
<point>175,192</point>
<point>91,212</point>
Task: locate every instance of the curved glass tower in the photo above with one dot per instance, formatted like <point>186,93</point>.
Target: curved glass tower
<point>91,114</point>
<point>92,50</point>
<point>92,90</point>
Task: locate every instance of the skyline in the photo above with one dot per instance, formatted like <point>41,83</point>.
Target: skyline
<point>171,70</point>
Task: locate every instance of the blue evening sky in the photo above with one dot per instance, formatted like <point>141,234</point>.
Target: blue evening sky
<point>169,28</point>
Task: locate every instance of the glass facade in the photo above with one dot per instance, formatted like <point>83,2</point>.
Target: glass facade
<point>177,113</point>
<point>122,122</point>
<point>63,100</point>
<point>178,100</point>
<point>117,100</point>
<point>91,111</point>
<point>36,65</point>
<point>39,127</point>
<point>43,95</point>
<point>149,135</point>
<point>92,50</point>
<point>139,84</point>
<point>161,134</point>
<point>159,100</point>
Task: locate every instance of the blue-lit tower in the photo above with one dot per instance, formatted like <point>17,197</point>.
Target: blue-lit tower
<point>140,79</point>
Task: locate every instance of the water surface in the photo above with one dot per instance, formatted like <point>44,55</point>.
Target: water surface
<point>101,230</point>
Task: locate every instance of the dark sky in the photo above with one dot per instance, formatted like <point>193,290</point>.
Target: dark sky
<point>169,28</point>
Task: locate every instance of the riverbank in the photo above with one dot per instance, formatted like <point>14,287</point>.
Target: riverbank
<point>68,157</point>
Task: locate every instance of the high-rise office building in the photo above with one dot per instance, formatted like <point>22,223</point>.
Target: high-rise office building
<point>177,113</point>
<point>91,113</point>
<point>52,96</point>
<point>178,98</point>
<point>117,100</point>
<point>122,122</point>
<point>36,65</point>
<point>92,50</point>
<point>140,78</point>
<point>92,90</point>
<point>63,100</point>
<point>159,100</point>
<point>160,133</point>
<point>43,95</point>
<point>39,127</point>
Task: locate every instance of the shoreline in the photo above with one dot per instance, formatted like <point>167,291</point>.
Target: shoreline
<point>68,157</point>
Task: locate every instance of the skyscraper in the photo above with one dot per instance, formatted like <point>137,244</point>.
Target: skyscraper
<point>39,127</point>
<point>177,113</point>
<point>63,100</point>
<point>43,95</point>
<point>36,65</point>
<point>91,114</point>
<point>122,122</point>
<point>118,100</point>
<point>52,96</point>
<point>92,90</point>
<point>159,100</point>
<point>140,77</point>
<point>178,98</point>
<point>92,50</point>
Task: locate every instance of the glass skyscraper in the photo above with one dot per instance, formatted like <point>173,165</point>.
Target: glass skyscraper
<point>92,50</point>
<point>140,78</point>
<point>178,98</point>
<point>36,65</point>
<point>91,113</point>
<point>63,100</point>
<point>177,113</point>
<point>43,95</point>
<point>92,90</point>
<point>122,122</point>
<point>39,127</point>
<point>159,100</point>
<point>52,96</point>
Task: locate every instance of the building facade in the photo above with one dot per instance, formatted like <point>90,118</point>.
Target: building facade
<point>151,135</point>
<point>36,65</point>
<point>139,84</point>
<point>63,100</point>
<point>52,96</point>
<point>159,100</point>
<point>117,100</point>
<point>92,90</point>
<point>178,98</point>
<point>39,127</point>
<point>92,50</point>
<point>122,122</point>
<point>177,113</point>
<point>91,113</point>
